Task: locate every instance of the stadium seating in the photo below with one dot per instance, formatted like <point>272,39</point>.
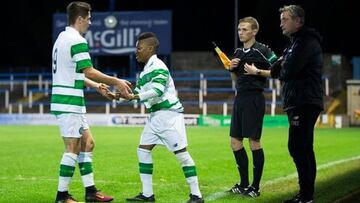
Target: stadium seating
<point>200,91</point>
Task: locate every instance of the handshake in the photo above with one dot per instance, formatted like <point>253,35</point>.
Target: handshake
<point>124,93</point>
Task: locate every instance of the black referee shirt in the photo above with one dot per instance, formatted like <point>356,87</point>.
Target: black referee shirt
<point>262,57</point>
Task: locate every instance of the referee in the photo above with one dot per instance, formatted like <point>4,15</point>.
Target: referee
<point>249,105</point>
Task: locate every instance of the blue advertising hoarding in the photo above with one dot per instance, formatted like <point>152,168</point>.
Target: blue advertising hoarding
<point>114,33</point>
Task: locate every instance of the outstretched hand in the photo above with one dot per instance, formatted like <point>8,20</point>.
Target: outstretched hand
<point>124,88</point>
<point>128,97</point>
<point>104,90</point>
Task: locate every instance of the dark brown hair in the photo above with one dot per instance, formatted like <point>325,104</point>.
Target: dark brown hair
<point>76,9</point>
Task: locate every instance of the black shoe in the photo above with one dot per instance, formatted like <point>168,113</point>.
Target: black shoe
<point>252,192</point>
<point>195,199</point>
<point>237,189</point>
<point>141,198</point>
<point>298,199</point>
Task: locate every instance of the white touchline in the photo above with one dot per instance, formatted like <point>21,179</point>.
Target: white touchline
<point>218,195</point>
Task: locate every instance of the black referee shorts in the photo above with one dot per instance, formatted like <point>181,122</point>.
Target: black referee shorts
<point>248,114</point>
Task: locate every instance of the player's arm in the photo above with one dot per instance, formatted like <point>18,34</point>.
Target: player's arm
<point>80,54</point>
<point>102,88</point>
<point>151,93</point>
<point>158,82</point>
<point>122,85</point>
<point>133,97</point>
<point>91,84</point>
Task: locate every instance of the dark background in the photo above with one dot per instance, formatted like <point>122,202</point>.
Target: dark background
<point>26,31</point>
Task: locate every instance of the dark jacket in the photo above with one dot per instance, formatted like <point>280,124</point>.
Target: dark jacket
<point>300,70</point>
<point>261,56</point>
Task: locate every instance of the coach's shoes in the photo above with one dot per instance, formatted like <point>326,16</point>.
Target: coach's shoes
<point>195,199</point>
<point>298,199</point>
<point>237,189</point>
<point>141,198</point>
<point>252,192</point>
<point>67,199</point>
<point>98,197</point>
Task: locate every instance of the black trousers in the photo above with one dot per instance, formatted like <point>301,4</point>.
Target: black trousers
<point>301,138</point>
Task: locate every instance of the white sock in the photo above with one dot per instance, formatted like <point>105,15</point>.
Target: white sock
<point>86,170</point>
<point>146,170</point>
<point>189,169</point>
<point>67,168</point>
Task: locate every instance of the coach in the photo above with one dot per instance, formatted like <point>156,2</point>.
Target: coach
<point>299,69</point>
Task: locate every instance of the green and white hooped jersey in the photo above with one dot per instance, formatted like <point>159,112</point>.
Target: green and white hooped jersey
<point>156,88</point>
<point>70,56</point>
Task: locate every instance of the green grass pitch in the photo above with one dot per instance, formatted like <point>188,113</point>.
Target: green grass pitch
<point>30,156</point>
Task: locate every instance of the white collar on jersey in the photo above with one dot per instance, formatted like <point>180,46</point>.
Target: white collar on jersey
<point>150,61</point>
<point>71,29</point>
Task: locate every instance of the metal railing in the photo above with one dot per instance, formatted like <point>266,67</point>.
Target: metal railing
<point>43,83</point>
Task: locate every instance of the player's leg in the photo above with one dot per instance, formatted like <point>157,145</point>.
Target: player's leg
<point>146,171</point>
<point>189,169</point>
<point>92,194</point>
<point>236,143</point>
<point>148,141</point>
<point>174,137</point>
<point>252,128</point>
<point>69,127</point>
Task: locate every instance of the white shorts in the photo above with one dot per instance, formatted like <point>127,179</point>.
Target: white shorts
<point>166,128</point>
<point>72,124</point>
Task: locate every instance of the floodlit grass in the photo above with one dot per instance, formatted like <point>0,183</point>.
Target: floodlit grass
<point>30,156</point>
